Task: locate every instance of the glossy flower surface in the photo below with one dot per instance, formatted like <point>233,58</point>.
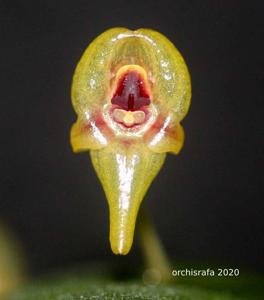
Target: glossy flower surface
<point>130,91</point>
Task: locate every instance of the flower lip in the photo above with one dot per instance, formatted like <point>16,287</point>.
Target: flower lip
<point>128,118</point>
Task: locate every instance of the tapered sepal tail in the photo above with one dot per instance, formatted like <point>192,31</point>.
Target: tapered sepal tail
<point>126,172</point>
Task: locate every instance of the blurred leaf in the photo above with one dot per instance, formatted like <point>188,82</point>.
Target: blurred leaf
<point>83,287</point>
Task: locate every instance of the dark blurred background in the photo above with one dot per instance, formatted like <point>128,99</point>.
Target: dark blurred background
<point>207,203</point>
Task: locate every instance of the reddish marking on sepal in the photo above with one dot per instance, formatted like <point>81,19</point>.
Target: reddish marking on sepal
<point>170,129</point>
<point>97,120</point>
<point>155,127</point>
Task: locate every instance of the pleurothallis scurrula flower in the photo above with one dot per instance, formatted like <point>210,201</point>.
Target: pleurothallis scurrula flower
<point>130,91</point>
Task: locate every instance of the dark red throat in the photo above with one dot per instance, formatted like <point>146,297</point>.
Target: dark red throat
<point>131,93</point>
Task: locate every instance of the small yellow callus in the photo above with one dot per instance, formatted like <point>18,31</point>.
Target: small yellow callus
<point>129,118</point>
<point>126,172</point>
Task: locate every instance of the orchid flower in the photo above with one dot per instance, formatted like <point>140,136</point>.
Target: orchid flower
<point>130,91</point>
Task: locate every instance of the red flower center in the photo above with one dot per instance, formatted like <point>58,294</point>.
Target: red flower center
<point>130,93</point>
